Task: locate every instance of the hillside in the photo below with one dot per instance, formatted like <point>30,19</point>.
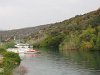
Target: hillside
<point>21,32</point>
<point>79,32</point>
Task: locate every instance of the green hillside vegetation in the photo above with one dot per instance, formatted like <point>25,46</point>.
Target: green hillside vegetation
<point>79,32</point>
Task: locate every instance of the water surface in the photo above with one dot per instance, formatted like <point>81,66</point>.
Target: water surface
<point>50,62</point>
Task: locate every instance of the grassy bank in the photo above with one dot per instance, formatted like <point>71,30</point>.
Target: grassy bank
<point>10,60</point>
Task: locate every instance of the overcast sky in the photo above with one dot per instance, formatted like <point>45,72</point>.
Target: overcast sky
<point>16,14</point>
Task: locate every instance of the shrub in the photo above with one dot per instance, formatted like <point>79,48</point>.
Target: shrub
<point>2,50</point>
<point>13,57</point>
<point>9,44</point>
<point>52,41</point>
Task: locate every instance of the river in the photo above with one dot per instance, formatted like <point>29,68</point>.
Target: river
<point>53,62</point>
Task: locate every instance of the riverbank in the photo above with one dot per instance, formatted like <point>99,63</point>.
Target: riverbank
<point>9,61</point>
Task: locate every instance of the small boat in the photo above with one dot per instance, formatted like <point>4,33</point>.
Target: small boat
<point>22,48</point>
<point>31,51</point>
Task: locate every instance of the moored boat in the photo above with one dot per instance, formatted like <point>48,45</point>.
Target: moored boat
<point>31,51</point>
<point>22,48</point>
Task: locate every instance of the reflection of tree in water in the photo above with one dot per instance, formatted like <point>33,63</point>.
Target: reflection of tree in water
<point>22,70</point>
<point>87,59</point>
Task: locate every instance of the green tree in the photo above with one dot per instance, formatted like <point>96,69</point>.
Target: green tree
<point>88,38</point>
<point>70,42</point>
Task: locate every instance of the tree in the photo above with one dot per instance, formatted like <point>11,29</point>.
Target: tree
<point>88,38</point>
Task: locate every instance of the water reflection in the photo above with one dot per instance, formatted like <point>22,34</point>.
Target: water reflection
<point>87,59</point>
<point>24,56</point>
<point>21,70</point>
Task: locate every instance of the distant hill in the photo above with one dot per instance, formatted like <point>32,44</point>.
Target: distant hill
<point>22,32</point>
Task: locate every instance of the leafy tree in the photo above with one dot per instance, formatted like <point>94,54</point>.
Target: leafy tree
<point>70,42</point>
<point>52,41</point>
<point>88,38</point>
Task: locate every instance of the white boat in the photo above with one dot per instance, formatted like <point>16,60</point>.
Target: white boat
<point>22,48</point>
<point>21,45</point>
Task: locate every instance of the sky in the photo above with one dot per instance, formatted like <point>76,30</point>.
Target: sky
<point>15,14</point>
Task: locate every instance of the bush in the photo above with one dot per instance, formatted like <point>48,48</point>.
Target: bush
<point>70,42</point>
<point>9,45</point>
<point>13,57</point>
<point>36,45</point>
<point>2,50</point>
<point>52,41</point>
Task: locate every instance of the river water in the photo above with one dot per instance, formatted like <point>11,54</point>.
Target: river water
<point>52,62</point>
